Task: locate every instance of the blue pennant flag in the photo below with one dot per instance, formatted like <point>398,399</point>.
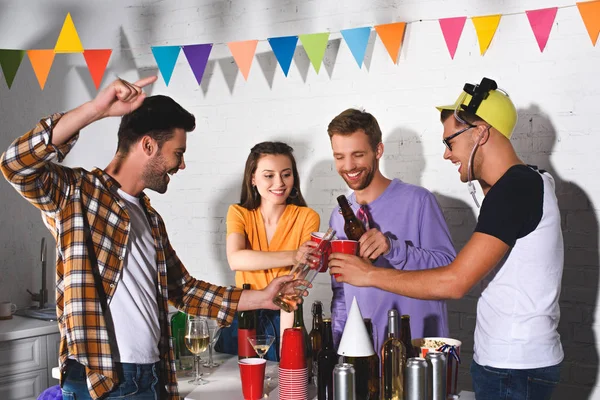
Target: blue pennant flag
<point>283,48</point>
<point>166,57</point>
<point>357,40</point>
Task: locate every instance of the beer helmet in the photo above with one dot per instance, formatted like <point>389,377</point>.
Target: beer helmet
<point>489,103</point>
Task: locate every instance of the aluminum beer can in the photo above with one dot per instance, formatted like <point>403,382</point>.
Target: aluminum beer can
<point>436,379</point>
<point>415,379</point>
<point>343,382</point>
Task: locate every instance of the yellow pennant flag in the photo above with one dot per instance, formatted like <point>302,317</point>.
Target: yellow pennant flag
<point>485,27</point>
<point>68,40</point>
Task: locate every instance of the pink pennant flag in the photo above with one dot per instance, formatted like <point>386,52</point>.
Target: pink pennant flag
<point>243,54</point>
<point>452,29</point>
<point>541,22</point>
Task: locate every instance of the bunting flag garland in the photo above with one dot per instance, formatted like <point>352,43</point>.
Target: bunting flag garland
<point>284,48</point>
<point>97,60</point>
<point>197,56</point>
<point>452,29</point>
<point>315,45</point>
<point>166,58</point>
<point>485,27</point>
<point>541,23</point>
<point>243,54</point>
<point>590,14</point>
<point>41,62</point>
<point>10,60</point>
<point>357,40</point>
<point>68,40</point>
<point>391,36</point>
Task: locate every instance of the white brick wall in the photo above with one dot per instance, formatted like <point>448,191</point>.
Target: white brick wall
<point>557,94</point>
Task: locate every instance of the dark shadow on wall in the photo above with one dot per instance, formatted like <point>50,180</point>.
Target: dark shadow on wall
<point>534,142</point>
<point>403,158</point>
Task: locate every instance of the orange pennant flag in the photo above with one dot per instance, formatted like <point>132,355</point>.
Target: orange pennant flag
<point>96,61</point>
<point>41,61</point>
<point>68,40</point>
<point>590,13</point>
<point>243,54</point>
<point>485,27</point>
<point>391,35</point>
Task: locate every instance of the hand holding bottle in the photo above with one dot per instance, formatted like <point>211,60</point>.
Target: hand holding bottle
<point>373,244</point>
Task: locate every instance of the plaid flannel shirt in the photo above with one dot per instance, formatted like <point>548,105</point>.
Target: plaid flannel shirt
<point>68,197</point>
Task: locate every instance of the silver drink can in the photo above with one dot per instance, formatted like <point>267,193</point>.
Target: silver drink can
<point>415,379</point>
<point>436,379</point>
<point>343,382</point>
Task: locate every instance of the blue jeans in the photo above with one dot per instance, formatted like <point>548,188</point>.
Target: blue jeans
<point>137,382</point>
<point>515,384</point>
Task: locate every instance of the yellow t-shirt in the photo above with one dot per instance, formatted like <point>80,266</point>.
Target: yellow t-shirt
<point>293,229</point>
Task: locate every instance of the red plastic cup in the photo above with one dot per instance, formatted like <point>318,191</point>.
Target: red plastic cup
<point>317,237</point>
<point>344,246</point>
<point>252,372</point>
<point>292,349</point>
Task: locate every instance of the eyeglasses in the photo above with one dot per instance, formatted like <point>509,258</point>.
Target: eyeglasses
<point>449,138</point>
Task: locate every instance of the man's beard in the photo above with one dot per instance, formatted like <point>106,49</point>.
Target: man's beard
<point>366,179</point>
<point>155,176</point>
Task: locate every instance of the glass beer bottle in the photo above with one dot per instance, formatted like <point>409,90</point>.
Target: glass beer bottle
<point>316,334</point>
<point>353,227</point>
<point>247,322</point>
<point>327,360</point>
<point>303,272</point>
<point>366,371</point>
<point>299,323</point>
<point>406,337</point>
<point>392,364</point>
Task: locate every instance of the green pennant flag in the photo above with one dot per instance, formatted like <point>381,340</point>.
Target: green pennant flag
<point>315,45</point>
<point>10,60</point>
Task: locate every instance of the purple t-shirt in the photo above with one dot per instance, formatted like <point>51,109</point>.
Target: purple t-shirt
<point>411,217</point>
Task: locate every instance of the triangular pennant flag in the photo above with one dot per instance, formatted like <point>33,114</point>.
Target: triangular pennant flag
<point>541,22</point>
<point>452,29</point>
<point>486,26</point>
<point>243,54</point>
<point>355,341</point>
<point>357,39</point>
<point>68,40</point>
<point>315,45</point>
<point>166,58</point>
<point>197,56</point>
<point>391,36</point>
<point>283,48</point>
<point>10,60</point>
<point>590,13</point>
<point>41,61</point>
<point>97,60</point>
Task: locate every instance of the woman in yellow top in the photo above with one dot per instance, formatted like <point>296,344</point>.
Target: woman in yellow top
<point>269,230</point>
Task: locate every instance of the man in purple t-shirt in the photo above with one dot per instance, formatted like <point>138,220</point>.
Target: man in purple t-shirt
<point>406,230</point>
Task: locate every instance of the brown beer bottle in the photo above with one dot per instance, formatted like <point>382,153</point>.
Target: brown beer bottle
<point>316,334</point>
<point>406,338</point>
<point>299,323</point>
<point>353,227</point>
<point>247,323</point>
<point>327,359</point>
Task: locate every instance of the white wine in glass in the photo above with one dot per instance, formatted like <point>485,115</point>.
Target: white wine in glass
<point>196,340</point>
<point>262,344</point>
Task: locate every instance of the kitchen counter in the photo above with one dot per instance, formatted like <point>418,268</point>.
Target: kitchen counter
<point>22,327</point>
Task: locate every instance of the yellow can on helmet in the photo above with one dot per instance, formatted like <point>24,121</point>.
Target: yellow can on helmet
<point>488,103</point>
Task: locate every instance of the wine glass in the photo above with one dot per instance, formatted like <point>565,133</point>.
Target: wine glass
<point>215,332</point>
<point>262,344</point>
<point>196,340</point>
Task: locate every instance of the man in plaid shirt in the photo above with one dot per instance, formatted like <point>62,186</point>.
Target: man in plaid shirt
<point>116,270</point>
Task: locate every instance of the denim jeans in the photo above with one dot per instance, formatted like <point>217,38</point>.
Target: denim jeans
<point>514,384</point>
<point>137,382</point>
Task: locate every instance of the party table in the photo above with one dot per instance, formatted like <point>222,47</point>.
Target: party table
<point>224,382</point>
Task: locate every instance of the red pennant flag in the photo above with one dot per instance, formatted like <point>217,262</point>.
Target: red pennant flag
<point>541,22</point>
<point>452,29</point>
<point>96,61</point>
